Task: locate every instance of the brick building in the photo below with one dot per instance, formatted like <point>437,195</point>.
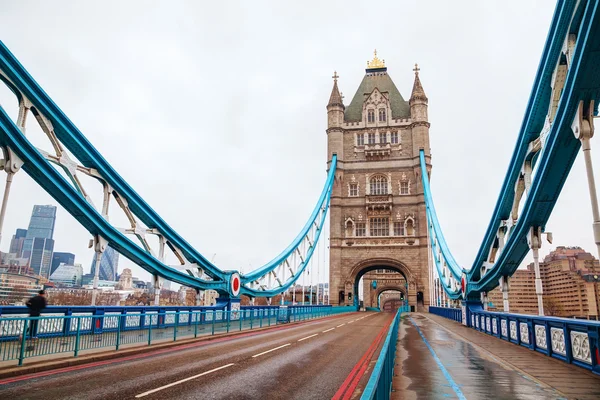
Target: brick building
<point>571,285</point>
<point>377,214</point>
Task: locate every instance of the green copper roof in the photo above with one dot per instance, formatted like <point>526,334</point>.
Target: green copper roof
<point>379,79</point>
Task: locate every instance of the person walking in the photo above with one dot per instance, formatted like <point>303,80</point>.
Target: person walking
<point>35,304</point>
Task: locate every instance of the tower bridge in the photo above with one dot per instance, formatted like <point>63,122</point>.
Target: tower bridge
<point>384,232</point>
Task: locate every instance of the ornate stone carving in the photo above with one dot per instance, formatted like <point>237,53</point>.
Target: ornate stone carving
<point>513,330</point>
<point>524,329</point>
<point>580,347</point>
<point>557,336</point>
<point>540,337</point>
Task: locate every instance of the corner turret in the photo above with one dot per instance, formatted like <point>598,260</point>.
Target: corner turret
<point>418,113</point>
<point>335,107</point>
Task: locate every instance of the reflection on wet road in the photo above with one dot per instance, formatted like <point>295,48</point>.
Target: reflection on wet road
<point>435,364</point>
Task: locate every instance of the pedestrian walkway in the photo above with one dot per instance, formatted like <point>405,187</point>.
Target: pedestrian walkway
<point>440,358</point>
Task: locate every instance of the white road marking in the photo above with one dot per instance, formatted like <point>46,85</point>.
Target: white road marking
<point>181,381</point>
<point>268,351</point>
<point>308,337</point>
<point>340,325</point>
<point>351,321</point>
<point>330,329</point>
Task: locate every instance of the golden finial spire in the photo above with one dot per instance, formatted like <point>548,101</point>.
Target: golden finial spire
<point>335,76</point>
<point>376,63</point>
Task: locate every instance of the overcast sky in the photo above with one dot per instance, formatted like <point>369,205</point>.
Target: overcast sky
<point>214,112</point>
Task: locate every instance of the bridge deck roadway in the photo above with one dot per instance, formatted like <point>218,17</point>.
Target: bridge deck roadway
<point>439,358</point>
<point>306,361</point>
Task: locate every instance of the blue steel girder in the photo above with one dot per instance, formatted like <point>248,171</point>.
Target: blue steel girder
<point>568,75</point>
<point>291,263</point>
<point>436,235</point>
<point>531,127</point>
<point>63,134</point>
<point>559,150</point>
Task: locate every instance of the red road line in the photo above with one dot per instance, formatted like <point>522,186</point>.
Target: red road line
<point>349,385</point>
<point>153,353</point>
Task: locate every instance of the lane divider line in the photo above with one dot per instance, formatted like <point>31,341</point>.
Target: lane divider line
<point>347,388</point>
<point>182,381</point>
<point>339,326</point>
<point>268,351</point>
<point>308,337</point>
<point>351,321</point>
<point>447,375</point>
<point>330,329</point>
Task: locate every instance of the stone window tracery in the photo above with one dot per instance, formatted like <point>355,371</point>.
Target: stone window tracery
<point>404,184</point>
<point>398,228</point>
<point>379,226</point>
<point>370,116</point>
<point>382,115</point>
<point>378,185</point>
<point>360,139</point>
<point>372,138</point>
<point>395,139</point>
<point>404,188</point>
<point>383,138</point>
<point>360,229</point>
<point>353,189</point>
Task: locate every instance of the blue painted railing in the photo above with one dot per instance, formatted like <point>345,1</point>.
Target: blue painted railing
<point>140,317</point>
<point>570,340</point>
<point>450,313</point>
<point>379,385</point>
<point>73,333</point>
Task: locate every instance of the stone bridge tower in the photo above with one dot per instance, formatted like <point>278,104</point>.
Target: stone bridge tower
<point>377,214</point>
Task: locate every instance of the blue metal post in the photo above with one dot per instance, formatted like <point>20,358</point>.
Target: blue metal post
<point>118,341</point>
<point>23,340</point>
<point>77,337</point>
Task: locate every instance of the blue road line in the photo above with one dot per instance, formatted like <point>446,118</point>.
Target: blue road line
<point>453,384</point>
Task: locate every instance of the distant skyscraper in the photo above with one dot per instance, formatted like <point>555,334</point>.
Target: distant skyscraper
<point>41,256</point>
<point>16,244</point>
<point>68,275</point>
<point>41,225</point>
<point>108,265</point>
<point>61,258</point>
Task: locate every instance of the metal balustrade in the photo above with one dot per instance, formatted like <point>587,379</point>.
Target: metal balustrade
<point>570,340</point>
<point>379,385</point>
<point>55,334</point>
<point>450,313</point>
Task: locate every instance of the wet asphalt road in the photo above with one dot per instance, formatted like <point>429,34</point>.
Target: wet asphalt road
<point>461,370</point>
<point>313,368</point>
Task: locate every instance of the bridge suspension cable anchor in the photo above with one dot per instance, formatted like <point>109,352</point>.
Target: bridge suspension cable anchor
<point>583,129</point>
<point>12,164</point>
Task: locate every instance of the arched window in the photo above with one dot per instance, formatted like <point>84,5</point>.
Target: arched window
<point>349,228</point>
<point>378,185</point>
<point>382,115</point>
<point>370,116</point>
<point>409,225</point>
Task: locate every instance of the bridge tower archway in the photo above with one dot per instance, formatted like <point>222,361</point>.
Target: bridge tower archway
<point>379,295</point>
<point>377,210</point>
